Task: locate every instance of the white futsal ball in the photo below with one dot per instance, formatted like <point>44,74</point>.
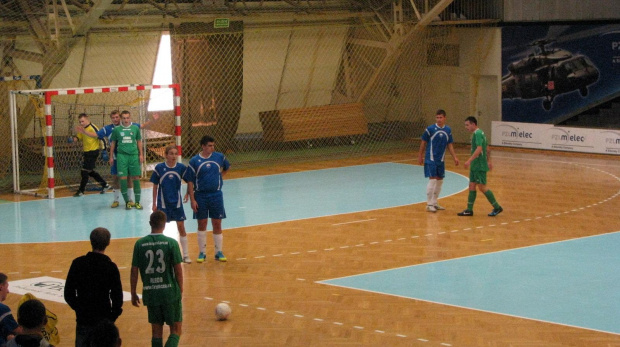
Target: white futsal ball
<point>222,311</point>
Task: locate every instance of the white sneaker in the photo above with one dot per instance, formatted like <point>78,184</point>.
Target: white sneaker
<point>439,208</point>
<point>187,260</point>
<point>431,208</point>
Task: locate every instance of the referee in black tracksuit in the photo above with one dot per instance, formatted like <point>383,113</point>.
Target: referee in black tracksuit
<point>93,288</point>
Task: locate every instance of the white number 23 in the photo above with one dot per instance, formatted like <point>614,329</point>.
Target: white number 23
<point>161,266</point>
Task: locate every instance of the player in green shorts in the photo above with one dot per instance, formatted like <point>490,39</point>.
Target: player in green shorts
<point>479,164</point>
<point>158,260</point>
<point>125,139</point>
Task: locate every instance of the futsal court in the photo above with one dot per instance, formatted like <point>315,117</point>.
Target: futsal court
<point>343,253</point>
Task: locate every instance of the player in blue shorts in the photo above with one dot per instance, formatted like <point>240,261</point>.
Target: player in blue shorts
<point>105,133</point>
<point>435,139</point>
<point>207,199</point>
<point>167,179</point>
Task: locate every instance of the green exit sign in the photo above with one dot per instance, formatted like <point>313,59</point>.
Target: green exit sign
<point>221,23</point>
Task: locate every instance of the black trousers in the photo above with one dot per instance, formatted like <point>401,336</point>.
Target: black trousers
<point>88,170</point>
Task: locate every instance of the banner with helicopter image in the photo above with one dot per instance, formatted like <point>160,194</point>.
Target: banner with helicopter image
<point>551,72</point>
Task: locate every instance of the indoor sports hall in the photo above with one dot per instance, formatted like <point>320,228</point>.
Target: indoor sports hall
<point>351,257</point>
<point>320,106</point>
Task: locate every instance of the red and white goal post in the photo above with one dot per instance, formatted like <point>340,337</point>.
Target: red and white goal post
<point>42,120</point>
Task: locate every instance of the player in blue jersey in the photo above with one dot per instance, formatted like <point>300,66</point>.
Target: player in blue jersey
<point>435,139</point>
<point>8,325</point>
<point>207,198</point>
<point>105,133</point>
<point>167,178</point>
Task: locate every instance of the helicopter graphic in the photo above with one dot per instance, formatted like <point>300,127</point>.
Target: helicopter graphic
<point>547,73</point>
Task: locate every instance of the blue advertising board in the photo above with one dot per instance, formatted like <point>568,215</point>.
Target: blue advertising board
<point>550,71</point>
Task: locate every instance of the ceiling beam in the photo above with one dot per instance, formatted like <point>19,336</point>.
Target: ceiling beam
<point>35,25</point>
<point>397,42</point>
<point>93,15</point>
<point>162,8</point>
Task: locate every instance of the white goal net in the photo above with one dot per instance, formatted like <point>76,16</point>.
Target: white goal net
<point>43,120</point>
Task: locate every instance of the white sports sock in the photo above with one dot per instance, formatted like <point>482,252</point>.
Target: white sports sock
<point>218,240</point>
<point>130,194</point>
<point>202,241</point>
<point>430,188</point>
<point>183,242</point>
<point>117,194</point>
<point>437,191</point>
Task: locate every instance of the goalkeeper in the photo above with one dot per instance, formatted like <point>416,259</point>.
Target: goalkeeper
<point>91,153</point>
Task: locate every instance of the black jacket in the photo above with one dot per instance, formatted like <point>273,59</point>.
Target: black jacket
<point>93,289</point>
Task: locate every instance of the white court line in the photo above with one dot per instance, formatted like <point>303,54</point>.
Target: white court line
<point>472,308</point>
<point>356,221</point>
<point>337,323</point>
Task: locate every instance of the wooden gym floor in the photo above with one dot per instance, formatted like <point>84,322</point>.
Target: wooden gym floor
<point>271,277</point>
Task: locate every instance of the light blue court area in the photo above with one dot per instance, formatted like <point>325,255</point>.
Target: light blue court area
<point>248,201</point>
<point>572,282</point>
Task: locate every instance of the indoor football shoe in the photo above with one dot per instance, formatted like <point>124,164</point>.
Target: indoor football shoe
<point>496,211</point>
<point>439,208</point>
<point>186,259</point>
<point>78,194</point>
<point>128,206</point>
<point>431,208</point>
<point>105,189</point>
<point>114,204</point>
<point>466,213</point>
<point>219,256</point>
<point>201,257</point>
<point>137,206</point>
<point>131,203</point>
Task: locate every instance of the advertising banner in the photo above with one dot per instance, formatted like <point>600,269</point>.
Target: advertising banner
<point>47,288</point>
<point>547,136</point>
<point>551,71</point>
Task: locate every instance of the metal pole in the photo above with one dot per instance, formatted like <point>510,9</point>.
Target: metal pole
<point>14,144</point>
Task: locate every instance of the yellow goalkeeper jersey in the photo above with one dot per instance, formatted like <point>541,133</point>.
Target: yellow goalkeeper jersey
<point>89,143</point>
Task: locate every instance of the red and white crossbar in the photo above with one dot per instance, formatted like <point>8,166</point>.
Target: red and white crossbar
<point>49,94</point>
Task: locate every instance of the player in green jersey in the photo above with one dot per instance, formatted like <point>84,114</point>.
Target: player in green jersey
<point>125,139</point>
<point>479,164</point>
<point>158,260</point>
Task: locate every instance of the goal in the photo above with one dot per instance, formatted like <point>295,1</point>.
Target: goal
<point>42,120</point>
